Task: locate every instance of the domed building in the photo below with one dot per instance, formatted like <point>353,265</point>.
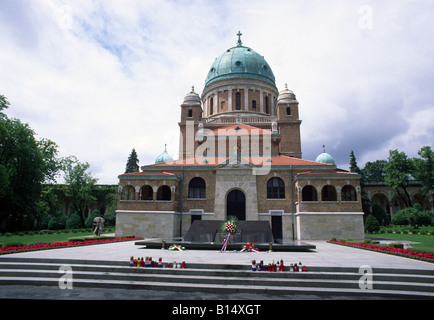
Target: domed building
<point>240,155</point>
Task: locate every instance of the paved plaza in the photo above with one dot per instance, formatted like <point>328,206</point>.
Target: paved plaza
<point>325,255</point>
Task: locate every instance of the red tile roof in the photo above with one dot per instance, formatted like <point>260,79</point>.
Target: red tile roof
<point>279,160</point>
<point>239,130</point>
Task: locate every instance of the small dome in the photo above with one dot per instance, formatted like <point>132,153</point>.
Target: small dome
<point>325,158</point>
<point>164,157</point>
<point>286,95</point>
<point>192,97</point>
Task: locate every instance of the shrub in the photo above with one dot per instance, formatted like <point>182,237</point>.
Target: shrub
<point>57,222</point>
<point>423,218</point>
<point>74,221</point>
<point>401,218</point>
<point>396,245</point>
<point>371,224</point>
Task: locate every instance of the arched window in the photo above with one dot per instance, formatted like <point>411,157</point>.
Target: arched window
<point>275,189</point>
<point>309,194</point>
<point>128,193</point>
<point>164,193</point>
<point>348,193</point>
<point>211,106</point>
<point>146,193</point>
<point>197,188</point>
<point>288,111</point>
<point>190,113</point>
<point>328,193</point>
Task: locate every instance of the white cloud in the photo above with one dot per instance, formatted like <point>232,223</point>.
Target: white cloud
<point>102,77</point>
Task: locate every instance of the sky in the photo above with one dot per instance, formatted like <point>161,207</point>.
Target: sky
<point>101,77</point>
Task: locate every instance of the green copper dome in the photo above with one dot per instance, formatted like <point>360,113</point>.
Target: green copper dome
<point>325,158</point>
<point>164,157</point>
<point>239,62</point>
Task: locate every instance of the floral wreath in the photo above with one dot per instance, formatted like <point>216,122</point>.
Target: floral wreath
<point>176,247</point>
<point>249,247</point>
<point>229,226</point>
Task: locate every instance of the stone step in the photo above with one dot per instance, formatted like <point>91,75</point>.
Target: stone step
<point>392,275</point>
<point>215,288</point>
<point>284,280</point>
<point>218,278</point>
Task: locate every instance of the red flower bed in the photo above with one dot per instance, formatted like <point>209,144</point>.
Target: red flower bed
<point>54,245</point>
<point>398,251</point>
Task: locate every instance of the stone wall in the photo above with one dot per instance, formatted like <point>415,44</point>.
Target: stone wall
<point>147,224</point>
<point>325,226</point>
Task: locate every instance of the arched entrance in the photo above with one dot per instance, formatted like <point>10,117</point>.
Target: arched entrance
<point>236,204</point>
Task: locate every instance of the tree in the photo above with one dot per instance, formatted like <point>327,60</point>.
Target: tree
<point>366,203</point>
<point>398,171</point>
<point>353,163</point>
<point>25,163</point>
<point>424,170</point>
<point>374,171</point>
<point>379,213</point>
<point>79,185</point>
<point>132,162</point>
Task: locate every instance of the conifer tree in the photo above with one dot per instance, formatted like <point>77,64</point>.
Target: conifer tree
<point>132,162</point>
<point>353,163</point>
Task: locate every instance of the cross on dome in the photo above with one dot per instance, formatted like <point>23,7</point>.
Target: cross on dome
<point>239,34</point>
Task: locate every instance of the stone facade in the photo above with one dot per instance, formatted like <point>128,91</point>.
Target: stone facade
<point>240,154</point>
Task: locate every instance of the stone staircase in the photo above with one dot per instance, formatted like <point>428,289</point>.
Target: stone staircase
<point>216,278</point>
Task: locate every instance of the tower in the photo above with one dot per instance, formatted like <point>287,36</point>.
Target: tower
<point>289,123</point>
<point>191,116</point>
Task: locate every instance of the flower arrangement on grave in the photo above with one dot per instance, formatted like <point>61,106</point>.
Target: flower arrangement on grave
<point>249,247</point>
<point>230,227</point>
<point>176,247</point>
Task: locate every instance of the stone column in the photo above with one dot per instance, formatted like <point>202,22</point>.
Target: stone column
<point>230,99</point>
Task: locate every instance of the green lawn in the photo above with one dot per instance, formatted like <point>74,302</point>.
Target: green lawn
<point>424,240</point>
<point>59,236</point>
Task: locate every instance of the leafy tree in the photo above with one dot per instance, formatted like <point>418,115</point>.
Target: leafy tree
<point>374,171</point>
<point>424,170</point>
<point>132,162</point>
<point>398,171</point>
<point>79,185</point>
<point>25,163</point>
<point>4,104</point>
